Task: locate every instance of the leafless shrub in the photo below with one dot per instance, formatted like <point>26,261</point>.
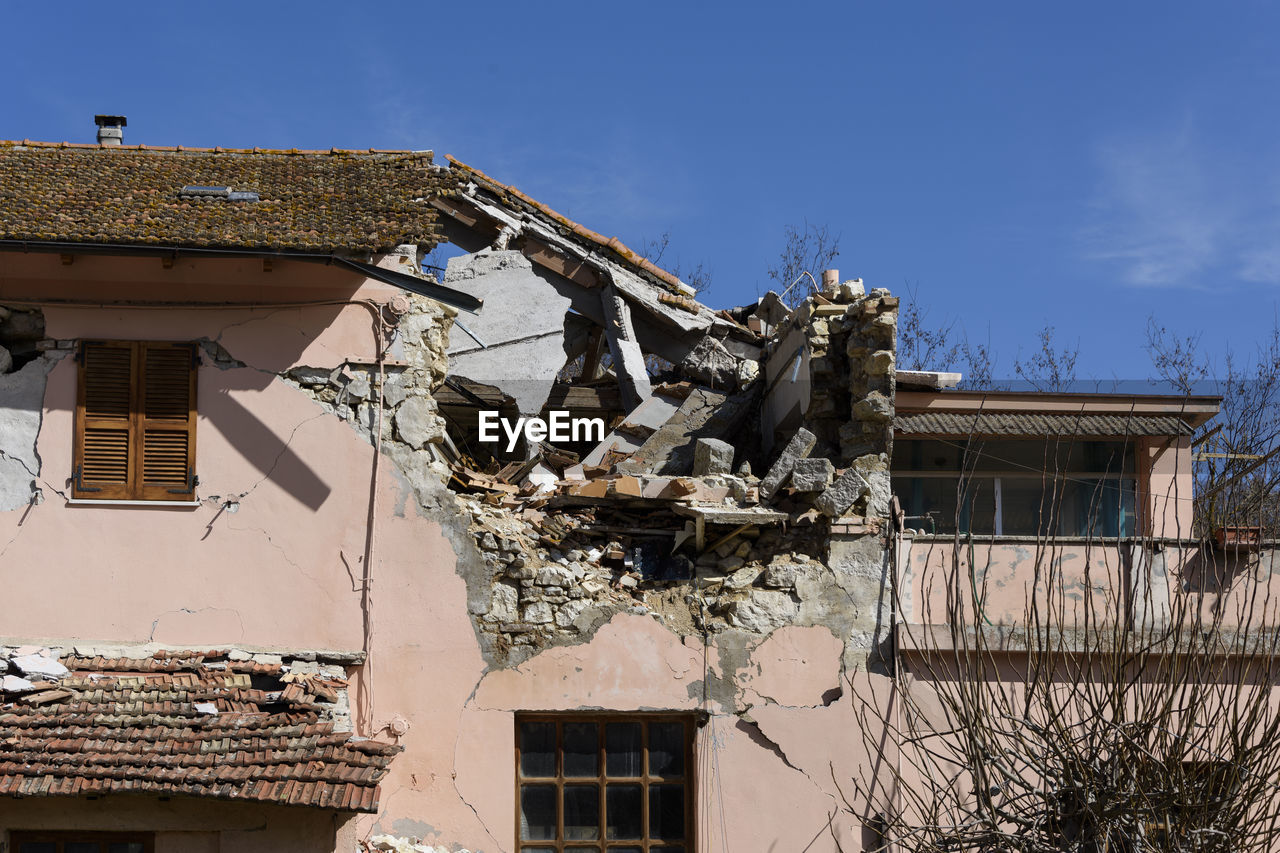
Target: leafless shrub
<point>1049,368</point>
<point>697,276</point>
<point>1130,705</point>
<point>1237,476</point>
<point>809,250</point>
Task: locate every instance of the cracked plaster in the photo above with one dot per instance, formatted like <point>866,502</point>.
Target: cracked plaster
<point>435,667</point>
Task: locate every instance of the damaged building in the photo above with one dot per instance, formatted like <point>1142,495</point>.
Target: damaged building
<point>273,584</point>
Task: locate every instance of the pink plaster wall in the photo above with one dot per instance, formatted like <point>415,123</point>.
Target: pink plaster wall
<point>1166,487</point>
<point>187,825</point>
<point>1005,574</point>
<point>283,571</point>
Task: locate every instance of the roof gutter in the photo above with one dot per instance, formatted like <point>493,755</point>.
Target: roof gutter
<point>404,281</point>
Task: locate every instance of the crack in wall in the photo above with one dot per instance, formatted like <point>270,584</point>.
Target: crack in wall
<point>155,624</point>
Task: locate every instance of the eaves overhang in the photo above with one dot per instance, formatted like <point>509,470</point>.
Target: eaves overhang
<point>413,284</point>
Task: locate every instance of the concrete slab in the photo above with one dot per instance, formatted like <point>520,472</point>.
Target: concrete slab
<point>521,325</point>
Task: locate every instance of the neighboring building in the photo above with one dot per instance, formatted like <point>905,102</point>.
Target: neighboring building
<point>268,589</point>
<point>1011,474</point>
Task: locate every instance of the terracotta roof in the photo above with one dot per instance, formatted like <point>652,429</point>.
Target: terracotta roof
<point>143,726</point>
<point>513,197</point>
<point>314,201</point>
<point>1033,424</point>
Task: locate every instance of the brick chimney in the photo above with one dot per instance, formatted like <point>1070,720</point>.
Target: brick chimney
<point>110,129</point>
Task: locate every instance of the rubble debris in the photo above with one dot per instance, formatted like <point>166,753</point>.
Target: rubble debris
<point>812,475</point>
<point>711,364</point>
<point>798,448</point>
<point>653,413</point>
<point>38,665</point>
<point>712,456</point>
<point>850,486</point>
<point>628,360</point>
<point>703,414</point>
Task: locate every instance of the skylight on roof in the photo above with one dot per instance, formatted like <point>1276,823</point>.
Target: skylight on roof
<point>197,191</point>
<point>215,192</point>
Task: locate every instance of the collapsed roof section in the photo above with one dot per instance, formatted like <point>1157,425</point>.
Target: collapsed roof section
<point>557,291</point>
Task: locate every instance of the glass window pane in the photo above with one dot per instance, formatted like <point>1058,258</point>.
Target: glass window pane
<point>80,847</point>
<point>666,749</point>
<point>622,747</point>
<point>537,812</point>
<point>1026,508</point>
<point>666,811</point>
<point>931,504</point>
<point>38,847</point>
<point>538,749</point>
<point>581,749</point>
<point>927,455</point>
<point>537,850</point>
<point>625,850</point>
<point>1097,507</point>
<point>581,812</point>
<point>622,811</point>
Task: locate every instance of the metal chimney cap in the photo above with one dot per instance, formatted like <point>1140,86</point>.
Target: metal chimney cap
<point>110,121</point>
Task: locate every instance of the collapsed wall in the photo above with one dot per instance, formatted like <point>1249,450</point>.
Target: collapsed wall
<point>705,548</point>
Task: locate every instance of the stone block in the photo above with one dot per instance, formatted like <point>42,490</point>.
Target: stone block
<point>555,576</point>
<point>798,448</point>
<point>841,494</point>
<point>417,422</point>
<point>875,407</point>
<point>505,604</point>
<point>812,475</point>
<point>742,577</point>
<point>880,363</point>
<point>537,613</point>
<point>570,611</point>
<point>779,574</point>
<point>711,364</point>
<point>765,610</point>
<point>712,456</point>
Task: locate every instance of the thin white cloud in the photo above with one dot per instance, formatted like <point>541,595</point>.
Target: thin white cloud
<point>1174,211</point>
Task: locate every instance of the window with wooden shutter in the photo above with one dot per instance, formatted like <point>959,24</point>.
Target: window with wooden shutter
<point>135,421</point>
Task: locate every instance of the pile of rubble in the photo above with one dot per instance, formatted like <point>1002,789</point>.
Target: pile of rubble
<point>658,520</point>
<point>664,516</point>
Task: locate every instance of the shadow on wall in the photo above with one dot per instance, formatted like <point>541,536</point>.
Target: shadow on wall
<point>232,385</point>
<point>263,448</point>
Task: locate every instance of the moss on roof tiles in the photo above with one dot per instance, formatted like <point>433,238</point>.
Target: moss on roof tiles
<point>325,202</point>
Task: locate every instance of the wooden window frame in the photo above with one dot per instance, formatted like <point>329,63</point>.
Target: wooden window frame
<point>604,844</point>
<point>138,424</point>
<point>63,837</point>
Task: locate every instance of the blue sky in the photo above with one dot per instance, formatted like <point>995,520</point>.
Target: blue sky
<point>1084,165</point>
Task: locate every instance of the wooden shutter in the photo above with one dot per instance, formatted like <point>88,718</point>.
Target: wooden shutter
<point>103,452</point>
<point>135,421</point>
<point>167,422</point>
